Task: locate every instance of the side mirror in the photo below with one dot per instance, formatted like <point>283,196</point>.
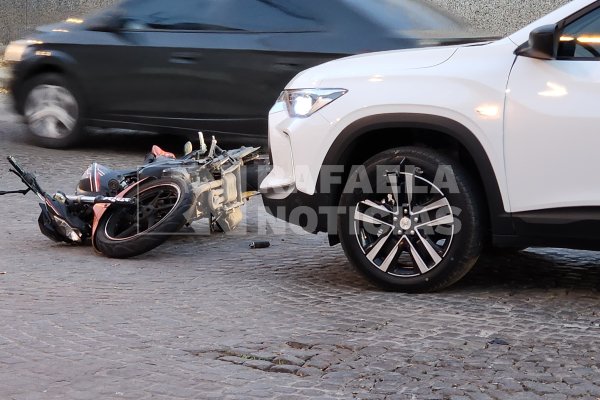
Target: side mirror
<point>543,43</point>
<point>112,22</point>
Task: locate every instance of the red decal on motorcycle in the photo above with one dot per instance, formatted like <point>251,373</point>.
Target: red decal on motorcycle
<point>157,151</point>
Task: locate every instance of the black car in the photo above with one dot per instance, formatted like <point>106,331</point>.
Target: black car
<point>189,65</point>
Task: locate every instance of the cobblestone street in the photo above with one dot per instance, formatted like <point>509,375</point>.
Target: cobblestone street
<point>205,317</point>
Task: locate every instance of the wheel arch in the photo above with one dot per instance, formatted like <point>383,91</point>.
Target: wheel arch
<point>368,136</point>
<point>58,63</point>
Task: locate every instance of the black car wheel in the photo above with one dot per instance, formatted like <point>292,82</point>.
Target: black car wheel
<point>417,226</point>
<point>53,111</point>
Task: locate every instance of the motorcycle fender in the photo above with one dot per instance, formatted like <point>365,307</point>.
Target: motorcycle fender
<point>100,209</point>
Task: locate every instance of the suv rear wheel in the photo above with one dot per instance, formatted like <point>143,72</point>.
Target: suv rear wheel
<point>416,225</point>
<point>52,108</point>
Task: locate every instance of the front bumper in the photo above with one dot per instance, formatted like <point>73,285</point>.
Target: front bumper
<point>290,190</point>
<point>280,182</point>
<point>297,146</point>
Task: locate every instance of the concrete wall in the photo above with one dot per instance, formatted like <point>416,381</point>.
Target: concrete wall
<point>17,17</point>
<point>497,17</point>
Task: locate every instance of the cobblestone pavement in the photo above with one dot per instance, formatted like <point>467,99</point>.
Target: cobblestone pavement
<point>206,317</point>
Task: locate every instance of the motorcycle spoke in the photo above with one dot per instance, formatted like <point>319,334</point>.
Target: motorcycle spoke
<point>155,201</point>
<point>134,228</point>
<point>165,207</point>
<point>151,220</point>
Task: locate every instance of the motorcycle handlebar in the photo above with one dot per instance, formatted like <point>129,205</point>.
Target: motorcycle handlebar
<point>100,200</point>
<point>28,178</point>
<point>15,165</point>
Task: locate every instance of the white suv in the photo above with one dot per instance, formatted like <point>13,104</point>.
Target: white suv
<point>415,160</point>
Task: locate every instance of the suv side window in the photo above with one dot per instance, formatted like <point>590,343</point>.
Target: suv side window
<point>581,38</point>
<point>217,15</point>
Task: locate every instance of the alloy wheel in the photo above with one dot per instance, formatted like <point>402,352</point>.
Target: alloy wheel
<point>408,232</point>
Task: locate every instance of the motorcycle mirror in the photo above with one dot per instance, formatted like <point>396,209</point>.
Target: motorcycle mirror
<point>203,147</point>
<point>188,148</point>
<point>213,147</point>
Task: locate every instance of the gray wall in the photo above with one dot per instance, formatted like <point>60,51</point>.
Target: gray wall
<point>498,17</point>
<point>17,17</point>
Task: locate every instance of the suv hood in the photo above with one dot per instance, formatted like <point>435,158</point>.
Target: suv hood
<point>384,63</point>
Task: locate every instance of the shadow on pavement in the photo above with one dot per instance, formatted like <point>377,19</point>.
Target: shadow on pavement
<point>536,269</point>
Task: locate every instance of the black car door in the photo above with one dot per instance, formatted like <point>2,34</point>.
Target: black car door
<point>215,65</point>
<point>250,50</point>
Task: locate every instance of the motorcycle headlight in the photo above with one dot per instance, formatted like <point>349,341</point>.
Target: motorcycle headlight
<point>66,230</point>
<point>302,103</point>
<point>15,51</point>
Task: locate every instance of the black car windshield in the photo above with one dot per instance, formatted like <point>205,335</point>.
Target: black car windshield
<point>410,18</point>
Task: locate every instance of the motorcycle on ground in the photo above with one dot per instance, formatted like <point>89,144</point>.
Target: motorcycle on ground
<point>125,213</point>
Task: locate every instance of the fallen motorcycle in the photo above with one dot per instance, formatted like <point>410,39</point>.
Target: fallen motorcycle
<point>126,213</point>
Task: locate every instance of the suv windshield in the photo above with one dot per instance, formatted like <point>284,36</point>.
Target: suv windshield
<point>411,18</point>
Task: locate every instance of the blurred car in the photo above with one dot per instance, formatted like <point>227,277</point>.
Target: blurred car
<point>211,65</point>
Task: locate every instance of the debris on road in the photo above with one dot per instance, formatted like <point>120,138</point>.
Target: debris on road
<point>260,245</point>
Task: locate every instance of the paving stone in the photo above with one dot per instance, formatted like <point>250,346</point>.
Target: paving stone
<point>309,372</point>
<point>286,359</point>
<point>258,364</point>
<point>286,369</point>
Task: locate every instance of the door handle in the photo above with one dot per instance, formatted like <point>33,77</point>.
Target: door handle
<point>184,58</point>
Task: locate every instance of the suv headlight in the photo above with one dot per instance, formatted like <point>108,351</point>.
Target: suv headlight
<point>302,103</point>
<point>16,50</point>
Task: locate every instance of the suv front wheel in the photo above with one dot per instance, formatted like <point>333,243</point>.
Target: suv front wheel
<point>412,220</point>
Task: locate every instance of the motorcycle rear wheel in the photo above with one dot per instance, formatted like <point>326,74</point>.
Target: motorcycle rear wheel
<point>125,232</point>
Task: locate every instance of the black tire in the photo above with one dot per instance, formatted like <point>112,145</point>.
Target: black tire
<point>416,242</point>
<point>45,128</point>
<point>123,232</point>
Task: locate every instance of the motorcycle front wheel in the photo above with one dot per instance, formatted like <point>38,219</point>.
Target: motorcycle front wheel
<point>159,212</point>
